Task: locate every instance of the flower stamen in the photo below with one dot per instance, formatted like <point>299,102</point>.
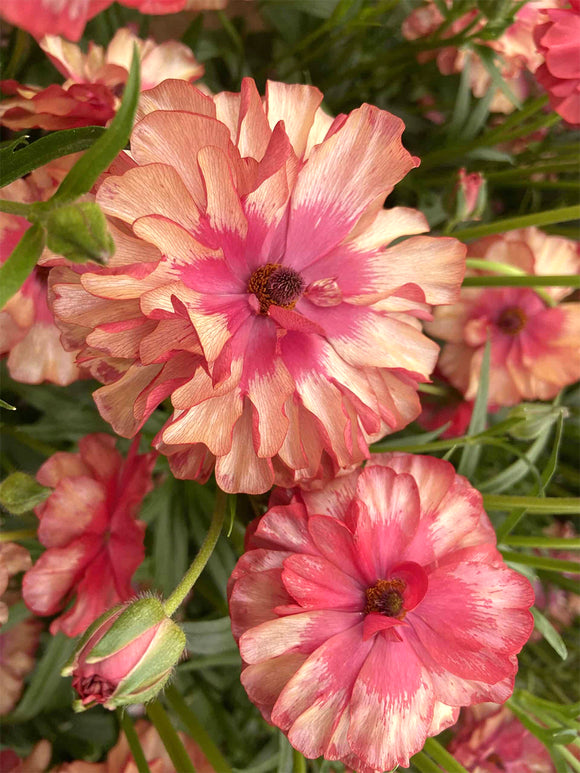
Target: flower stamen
<point>274,284</point>
<point>386,598</point>
<point>512,320</point>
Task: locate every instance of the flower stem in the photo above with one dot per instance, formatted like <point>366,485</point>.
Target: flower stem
<point>133,740</point>
<point>203,556</point>
<point>14,536</point>
<point>549,217</point>
<point>540,562</point>
<point>440,754</point>
<point>196,730</point>
<point>14,208</point>
<point>505,269</point>
<point>298,762</point>
<point>171,740</point>
<point>551,505</point>
<point>556,543</point>
<point>527,280</point>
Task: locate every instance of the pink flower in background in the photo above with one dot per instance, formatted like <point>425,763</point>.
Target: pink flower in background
<point>28,334</point>
<point>452,410</point>
<point>490,739</point>
<point>255,285</point>
<point>69,17</point>
<point>90,529</point>
<point>557,37</point>
<point>367,612</point>
<point>94,82</point>
<point>36,762</point>
<point>535,349</point>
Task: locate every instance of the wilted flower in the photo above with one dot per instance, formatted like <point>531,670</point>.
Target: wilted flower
<point>490,739</point>
<point>369,611</point>
<point>120,759</point>
<point>88,525</point>
<point>94,82</point>
<point>68,17</point>
<point>27,331</point>
<point>257,287</point>
<point>535,349</point>
<point>126,656</point>
<point>557,37</point>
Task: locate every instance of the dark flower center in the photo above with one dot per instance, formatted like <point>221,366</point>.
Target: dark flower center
<point>512,320</point>
<point>386,598</point>
<point>277,285</point>
<point>95,687</point>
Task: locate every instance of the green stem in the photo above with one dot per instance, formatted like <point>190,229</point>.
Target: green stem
<point>14,208</point>
<point>201,559</point>
<point>169,737</point>
<point>549,217</point>
<point>425,764</point>
<point>540,562</point>
<point>196,730</point>
<point>555,543</point>
<point>298,762</point>
<point>551,280</point>
<point>133,740</point>
<point>18,534</point>
<point>440,754</point>
<point>572,761</point>
<point>550,505</point>
<point>506,270</point>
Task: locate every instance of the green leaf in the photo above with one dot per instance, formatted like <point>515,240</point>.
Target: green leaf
<point>440,754</point>
<point>6,406</point>
<point>209,637</point>
<point>541,562</point>
<point>20,493</point>
<point>462,101</point>
<point>487,56</point>
<point>22,260</point>
<point>15,163</point>
<point>550,634</point>
<point>538,219</point>
<point>284,755</point>
<point>79,233</point>
<point>471,453</point>
<point>98,158</point>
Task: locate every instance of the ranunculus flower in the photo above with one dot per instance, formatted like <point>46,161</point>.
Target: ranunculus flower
<point>36,762</point>
<point>535,349</point>
<point>27,331</point>
<point>126,656</point>
<point>94,82</point>
<point>120,759</point>
<point>255,285</point>
<point>68,18</point>
<point>557,37</point>
<point>369,611</point>
<point>491,739</point>
<point>90,529</point>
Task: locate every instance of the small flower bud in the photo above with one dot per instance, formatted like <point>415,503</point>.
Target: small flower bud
<point>126,656</point>
<point>534,418</point>
<point>471,196</point>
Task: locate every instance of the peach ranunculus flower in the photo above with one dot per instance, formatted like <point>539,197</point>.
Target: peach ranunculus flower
<point>369,611</point>
<point>90,529</point>
<point>28,334</point>
<point>535,348</point>
<point>515,47</point>
<point>490,739</point>
<point>18,643</point>
<point>69,17</point>
<point>557,37</point>
<point>255,285</point>
<point>94,82</point>
<point>120,759</point>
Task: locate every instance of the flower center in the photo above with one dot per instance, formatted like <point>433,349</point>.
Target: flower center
<point>276,284</point>
<point>386,598</point>
<point>95,688</point>
<point>512,320</point>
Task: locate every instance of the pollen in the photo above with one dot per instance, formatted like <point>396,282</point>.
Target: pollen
<point>274,284</point>
<point>512,320</point>
<point>386,598</point>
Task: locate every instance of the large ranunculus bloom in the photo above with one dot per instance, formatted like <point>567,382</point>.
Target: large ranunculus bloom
<point>557,37</point>
<point>68,17</point>
<point>255,285</point>
<point>90,95</point>
<point>492,740</point>
<point>369,611</point>
<point>88,525</point>
<point>535,349</point>
<point>28,334</point>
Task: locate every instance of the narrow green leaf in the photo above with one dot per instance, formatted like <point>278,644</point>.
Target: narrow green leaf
<point>487,56</point>
<point>549,505</point>
<point>424,764</point>
<point>552,464</point>
<point>6,406</point>
<point>527,280</point>
<point>518,470</point>
<point>97,159</point>
<point>541,562</point>
<point>440,754</point>
<point>14,163</point>
<point>285,754</point>
<point>209,637</point>
<point>548,217</point>
<point>15,271</point>
<point>548,543</point>
<point>462,101</point>
<point>471,453</point>
<point>550,634</point>
<point>20,493</point>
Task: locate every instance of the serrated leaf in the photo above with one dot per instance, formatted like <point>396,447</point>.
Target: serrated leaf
<point>20,493</point>
<point>79,233</point>
<point>550,634</point>
<point>22,260</point>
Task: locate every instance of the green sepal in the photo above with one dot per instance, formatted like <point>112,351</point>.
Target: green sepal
<point>162,654</point>
<point>79,233</point>
<point>93,627</point>
<point>20,493</point>
<point>140,696</point>
<point>137,618</point>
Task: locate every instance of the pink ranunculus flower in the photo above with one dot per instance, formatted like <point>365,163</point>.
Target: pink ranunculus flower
<point>490,739</point>
<point>94,82</point>
<point>69,17</point>
<point>369,611</point>
<point>28,335</point>
<point>257,286</point>
<point>557,37</point>
<point>535,348</point>
<point>90,529</point>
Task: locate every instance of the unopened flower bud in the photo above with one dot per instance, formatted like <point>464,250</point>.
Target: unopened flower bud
<point>471,196</point>
<point>126,656</point>
<point>534,418</point>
